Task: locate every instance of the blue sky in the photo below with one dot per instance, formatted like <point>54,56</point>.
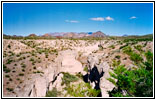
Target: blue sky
<point>110,18</point>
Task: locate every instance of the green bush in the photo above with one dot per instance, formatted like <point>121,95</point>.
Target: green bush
<point>9,61</point>
<point>117,57</point>
<point>116,63</point>
<point>23,65</point>
<point>5,69</point>
<point>82,90</point>
<point>32,59</point>
<point>136,57</point>
<point>79,75</point>
<point>7,76</point>
<point>9,46</point>
<point>21,74</point>
<point>135,82</point>
<point>53,93</point>
<point>127,50</point>
<point>139,48</point>
<point>10,89</point>
<point>85,69</point>
<point>67,78</point>
<point>112,46</point>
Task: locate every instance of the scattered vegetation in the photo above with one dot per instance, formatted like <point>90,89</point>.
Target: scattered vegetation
<point>79,75</point>
<point>9,46</point>
<point>82,90</point>
<point>117,57</point>
<point>10,89</point>
<point>5,69</point>
<point>112,46</point>
<point>38,72</point>
<point>53,93</point>
<point>21,74</point>
<point>135,82</point>
<point>139,48</point>
<point>85,69</point>
<point>9,61</point>
<point>7,76</point>
<point>67,78</point>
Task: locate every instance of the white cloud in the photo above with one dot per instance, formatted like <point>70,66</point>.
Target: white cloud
<point>97,19</point>
<point>133,17</point>
<point>109,18</point>
<point>72,21</point>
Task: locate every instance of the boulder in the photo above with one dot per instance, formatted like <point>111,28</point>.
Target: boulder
<point>39,88</point>
<point>105,85</point>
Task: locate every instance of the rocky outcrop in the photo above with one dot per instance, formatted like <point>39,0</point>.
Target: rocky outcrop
<point>105,85</point>
<point>39,88</point>
<point>69,63</point>
<point>98,74</point>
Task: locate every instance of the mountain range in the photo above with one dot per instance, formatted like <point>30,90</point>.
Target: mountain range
<point>74,34</point>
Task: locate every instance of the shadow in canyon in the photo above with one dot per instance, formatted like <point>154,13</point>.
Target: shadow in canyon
<point>94,76</point>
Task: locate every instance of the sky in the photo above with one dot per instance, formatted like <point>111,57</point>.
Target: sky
<point>111,18</point>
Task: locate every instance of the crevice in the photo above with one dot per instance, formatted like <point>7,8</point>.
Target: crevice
<point>94,76</point>
<point>51,82</point>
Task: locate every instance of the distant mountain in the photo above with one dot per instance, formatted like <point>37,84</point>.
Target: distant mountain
<point>70,35</point>
<point>74,34</point>
<point>98,34</point>
<point>46,35</point>
<point>90,32</point>
<point>125,35</point>
<point>57,33</point>
<point>82,34</point>
<point>32,35</point>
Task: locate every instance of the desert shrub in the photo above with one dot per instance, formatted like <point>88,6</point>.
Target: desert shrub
<point>5,69</point>
<point>10,79</point>
<point>34,67</point>
<point>139,48</point>
<point>24,57</point>
<point>79,75</point>
<point>116,63</point>
<point>46,55</point>
<point>136,57</point>
<point>53,93</point>
<point>85,69</point>
<point>21,74</point>
<point>18,79</point>
<point>135,82</point>
<point>149,60</point>
<point>81,90</point>
<point>10,89</point>
<point>67,78</point>
<point>23,65</point>
<point>38,72</point>
<point>18,55</point>
<point>112,46</point>
<point>32,59</point>
<point>9,61</point>
<point>127,50</point>
<point>100,47</point>
<point>145,44</point>
<point>9,46</point>
<point>23,70</point>
<point>117,56</point>
<point>7,76</point>
<point>55,51</point>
